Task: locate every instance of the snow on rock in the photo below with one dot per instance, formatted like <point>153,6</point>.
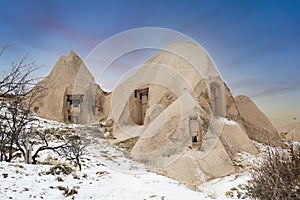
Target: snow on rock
<point>226,121</point>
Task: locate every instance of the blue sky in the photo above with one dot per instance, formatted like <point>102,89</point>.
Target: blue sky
<point>255,44</point>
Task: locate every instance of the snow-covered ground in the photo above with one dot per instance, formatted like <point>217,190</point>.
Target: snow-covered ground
<point>97,181</point>
<point>228,187</point>
<point>107,174</point>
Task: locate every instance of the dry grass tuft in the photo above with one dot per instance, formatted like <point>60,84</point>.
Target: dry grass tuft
<point>278,176</point>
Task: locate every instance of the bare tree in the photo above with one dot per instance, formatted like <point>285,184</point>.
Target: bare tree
<point>19,94</point>
<point>74,150</point>
<point>3,142</point>
<point>3,133</point>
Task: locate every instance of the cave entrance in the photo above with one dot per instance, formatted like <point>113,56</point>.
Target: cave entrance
<point>74,108</point>
<point>140,105</point>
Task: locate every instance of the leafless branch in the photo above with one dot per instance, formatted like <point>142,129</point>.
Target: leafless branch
<point>74,150</point>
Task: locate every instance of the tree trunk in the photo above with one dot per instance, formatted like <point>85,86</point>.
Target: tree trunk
<point>78,163</point>
<point>27,152</point>
<point>10,151</point>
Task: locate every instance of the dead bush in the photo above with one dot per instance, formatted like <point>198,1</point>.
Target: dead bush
<point>60,169</point>
<point>59,179</point>
<point>63,188</point>
<point>278,176</point>
<point>67,191</point>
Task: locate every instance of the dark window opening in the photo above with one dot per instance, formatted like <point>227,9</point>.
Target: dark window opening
<point>194,139</point>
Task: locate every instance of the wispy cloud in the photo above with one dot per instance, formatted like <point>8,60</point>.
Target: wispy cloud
<point>255,88</point>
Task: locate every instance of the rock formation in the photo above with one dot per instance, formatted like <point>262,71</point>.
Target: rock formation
<point>290,131</point>
<point>257,125</point>
<point>71,94</point>
<point>175,112</point>
<point>176,104</point>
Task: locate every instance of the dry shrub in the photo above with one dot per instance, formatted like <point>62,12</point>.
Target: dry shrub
<point>67,191</point>
<point>278,176</point>
<point>60,169</point>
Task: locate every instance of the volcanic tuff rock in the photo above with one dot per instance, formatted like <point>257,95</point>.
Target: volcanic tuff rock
<point>157,105</point>
<point>257,125</point>
<point>69,72</point>
<point>180,80</point>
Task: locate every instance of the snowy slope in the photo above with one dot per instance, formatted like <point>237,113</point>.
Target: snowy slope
<point>106,174</point>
